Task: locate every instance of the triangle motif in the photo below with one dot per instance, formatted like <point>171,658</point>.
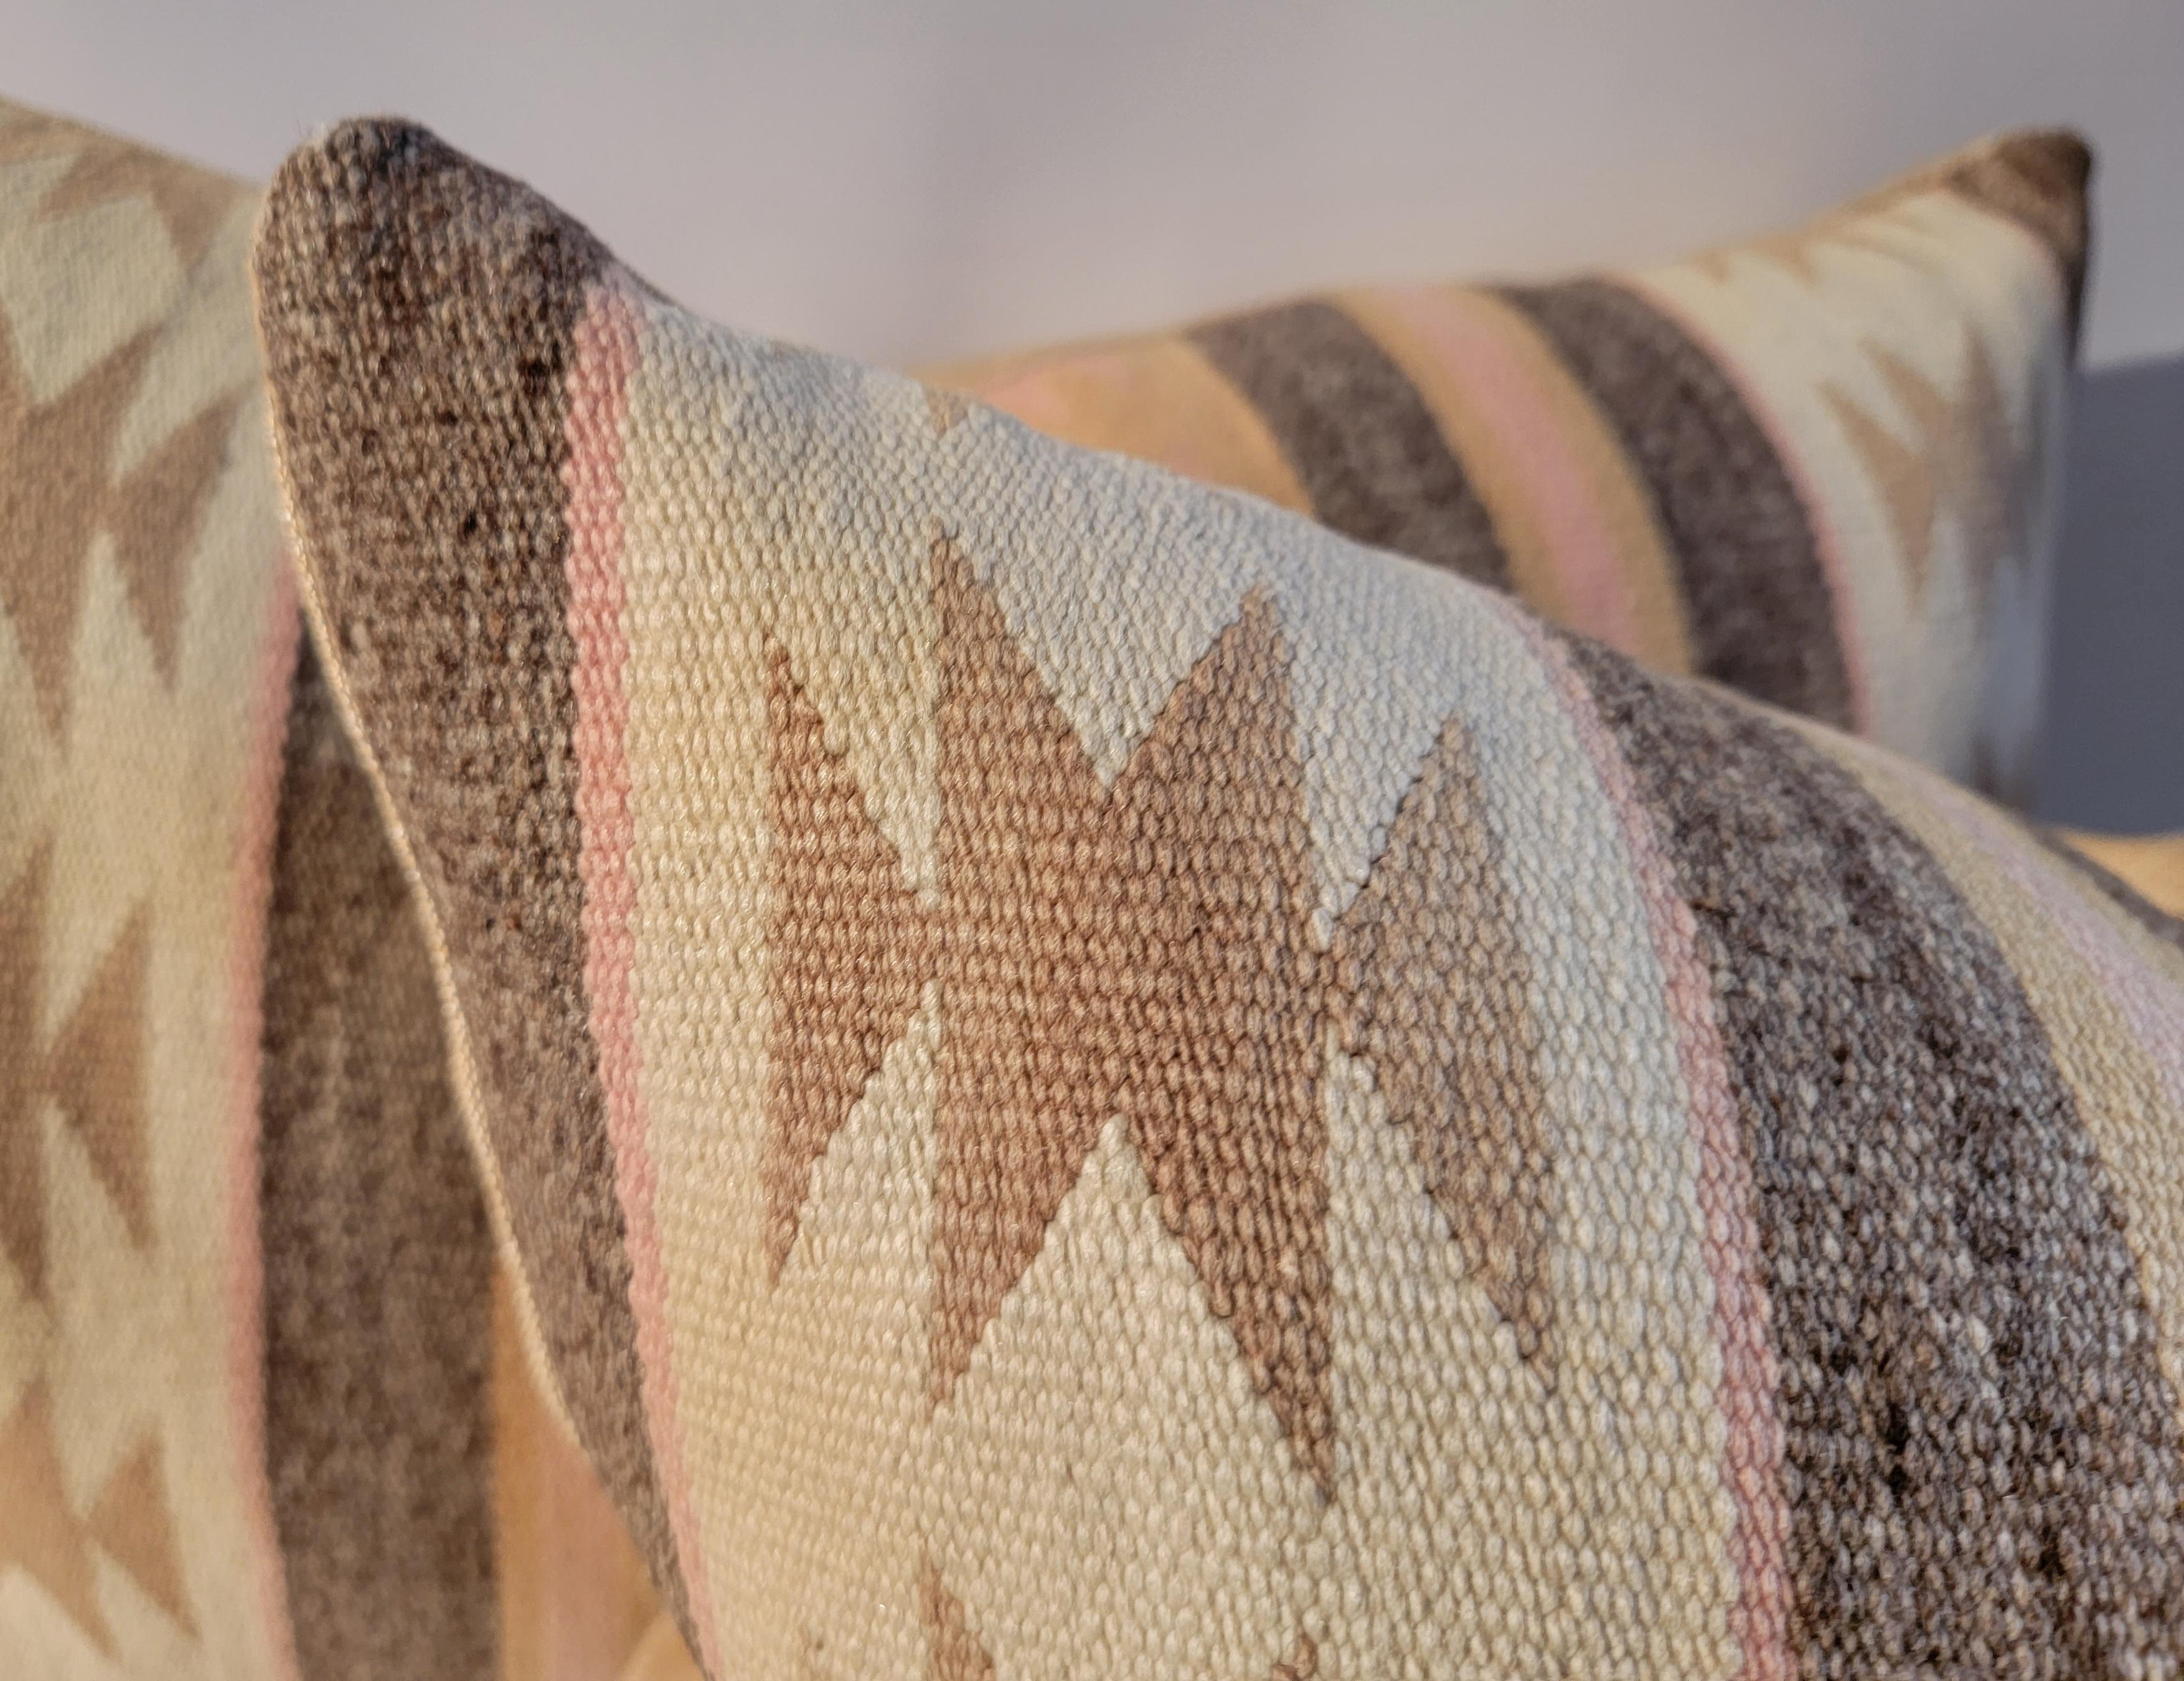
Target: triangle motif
<point>134,1522</point>
<point>38,1531</point>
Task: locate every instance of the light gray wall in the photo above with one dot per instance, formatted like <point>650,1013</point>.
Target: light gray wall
<point>903,183</point>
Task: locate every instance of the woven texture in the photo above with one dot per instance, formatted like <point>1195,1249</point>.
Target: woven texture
<point>255,1419</point>
<point>146,633</point>
<point>1818,467</point>
<point>1093,1080</point>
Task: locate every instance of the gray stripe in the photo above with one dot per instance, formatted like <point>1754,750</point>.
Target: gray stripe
<point>1761,615</point>
<point>1981,1455</point>
<point>1357,435</point>
<point>378,1260</point>
<point>417,311</point>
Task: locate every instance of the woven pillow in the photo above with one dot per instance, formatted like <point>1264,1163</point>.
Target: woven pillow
<point>1094,1080</point>
<point>1818,467</point>
<point>260,1414</point>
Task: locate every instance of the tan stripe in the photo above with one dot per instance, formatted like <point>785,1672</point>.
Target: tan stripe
<point>1619,500</point>
<point>1156,397</point>
<point>661,1655</point>
<point>2151,866</point>
<point>517,1421</point>
<point>576,1601</point>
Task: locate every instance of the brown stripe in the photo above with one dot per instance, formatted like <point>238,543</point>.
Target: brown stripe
<point>1357,434</point>
<point>2142,910</point>
<point>1761,617</point>
<point>1573,518</point>
<point>2038,179</point>
<point>1981,1455</point>
<point>417,311</point>
<point>378,1260</point>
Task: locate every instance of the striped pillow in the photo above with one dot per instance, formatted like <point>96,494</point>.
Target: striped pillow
<point>1093,1079</point>
<point>1818,467</point>
<point>263,1412</point>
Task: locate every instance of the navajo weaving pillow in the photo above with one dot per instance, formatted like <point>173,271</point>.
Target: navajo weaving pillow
<point>1094,1080</point>
<point>1818,467</point>
<point>259,1413</point>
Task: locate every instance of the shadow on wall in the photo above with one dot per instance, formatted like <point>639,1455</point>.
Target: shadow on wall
<point>2113,751</point>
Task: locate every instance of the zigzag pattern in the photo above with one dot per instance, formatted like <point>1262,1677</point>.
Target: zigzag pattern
<point>1141,948</point>
<point>130,1521</point>
<point>136,550</point>
<point>1937,448</point>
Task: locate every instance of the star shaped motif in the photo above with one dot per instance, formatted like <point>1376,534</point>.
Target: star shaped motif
<point>1142,949</point>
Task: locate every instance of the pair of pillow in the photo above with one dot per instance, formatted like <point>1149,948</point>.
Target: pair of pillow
<point>1089,1077</point>
<point>381,1455</point>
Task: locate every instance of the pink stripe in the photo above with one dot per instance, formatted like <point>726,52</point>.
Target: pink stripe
<point>1752,1466</point>
<point>1826,543</point>
<point>1557,489</point>
<point>606,357</point>
<point>246,974</point>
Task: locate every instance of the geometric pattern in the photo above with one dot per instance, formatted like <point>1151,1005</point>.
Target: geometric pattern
<point>82,478</point>
<point>162,1111</point>
<point>62,484</point>
<point>92,1074</point>
<point>955,1654</point>
<point>1426,950</point>
<point>1953,455</point>
<point>1909,356</point>
<point>1964,463</point>
<point>1420,962</point>
<point>138,543</point>
<point>42,1535</point>
<point>1175,1095</point>
<point>129,1522</point>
